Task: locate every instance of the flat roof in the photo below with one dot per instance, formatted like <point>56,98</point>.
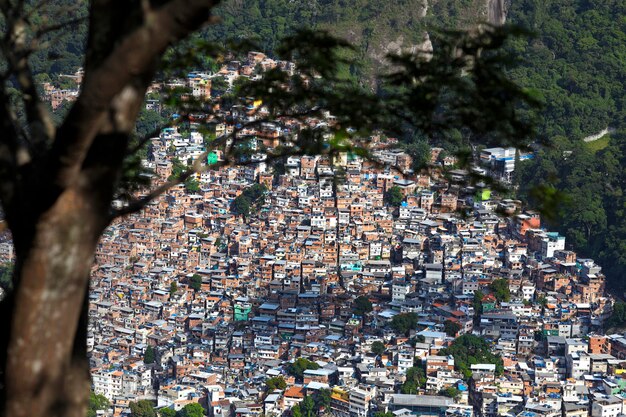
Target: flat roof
<point>421,400</point>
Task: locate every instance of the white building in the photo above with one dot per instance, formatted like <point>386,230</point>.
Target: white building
<point>578,364</point>
<point>606,406</point>
<point>399,290</point>
<point>360,399</point>
<point>108,383</point>
<point>551,243</point>
<point>405,361</point>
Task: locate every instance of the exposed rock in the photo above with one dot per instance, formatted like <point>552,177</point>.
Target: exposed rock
<point>496,12</point>
<point>424,10</point>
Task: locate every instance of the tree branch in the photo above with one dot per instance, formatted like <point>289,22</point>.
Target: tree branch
<point>16,50</point>
<point>135,55</point>
<point>58,26</point>
<point>13,155</point>
<point>197,167</point>
<point>155,133</point>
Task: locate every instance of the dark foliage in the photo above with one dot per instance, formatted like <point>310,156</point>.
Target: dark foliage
<point>142,408</point>
<point>300,365</point>
<point>403,323</point>
<point>468,350</point>
<point>451,327</point>
<point>500,289</point>
<point>195,282</point>
<point>97,402</point>
<point>149,355</point>
<point>415,379</point>
<point>362,305</point>
<point>585,190</point>
<point>251,196</point>
<point>394,196</point>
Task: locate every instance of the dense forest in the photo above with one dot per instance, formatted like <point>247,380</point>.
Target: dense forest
<point>575,63</point>
<point>62,50</point>
<point>592,185</point>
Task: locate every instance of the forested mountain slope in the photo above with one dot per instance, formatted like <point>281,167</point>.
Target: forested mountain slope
<point>593,183</point>
<point>61,52</point>
<point>576,63</point>
<point>376,28</point>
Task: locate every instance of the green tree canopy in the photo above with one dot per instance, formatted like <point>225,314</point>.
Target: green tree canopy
<point>451,392</point>
<point>378,348</point>
<point>468,350</point>
<point>618,317</point>
<point>404,322</point>
<point>478,303</point>
<point>451,327</point>
<point>419,150</point>
<point>394,196</point>
<point>167,412</point>
<point>148,121</point>
<point>300,365</point>
<point>97,402</point>
<point>583,189</point>
<point>322,399</point>
<point>195,282</point>
<point>240,206</point>
<point>142,408</point>
<point>415,380</point>
<point>191,410</point>
<point>219,85</point>
<point>192,185</point>
<point>500,289</point>
<point>251,196</point>
<point>307,406</point>
<point>362,305</point>
<point>6,276</point>
<point>277,382</point>
<point>149,355</point>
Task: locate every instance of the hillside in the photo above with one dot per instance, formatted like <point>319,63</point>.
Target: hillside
<point>62,52</point>
<point>576,63</point>
<point>375,28</point>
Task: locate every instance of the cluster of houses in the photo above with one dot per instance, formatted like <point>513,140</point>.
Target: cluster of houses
<point>192,302</point>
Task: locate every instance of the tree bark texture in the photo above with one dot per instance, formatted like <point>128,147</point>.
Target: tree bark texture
<point>46,370</point>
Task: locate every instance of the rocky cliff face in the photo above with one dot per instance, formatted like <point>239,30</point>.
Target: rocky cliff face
<point>496,12</point>
<point>397,26</point>
<point>403,28</point>
<point>376,28</point>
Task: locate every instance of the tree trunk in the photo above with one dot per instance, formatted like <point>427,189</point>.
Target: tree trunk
<point>46,371</point>
<point>57,192</point>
